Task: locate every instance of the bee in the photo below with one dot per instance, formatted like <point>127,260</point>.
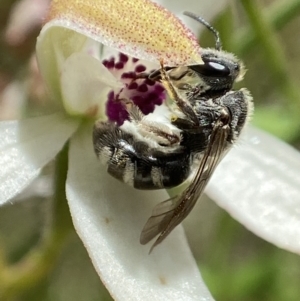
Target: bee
<point>204,119</point>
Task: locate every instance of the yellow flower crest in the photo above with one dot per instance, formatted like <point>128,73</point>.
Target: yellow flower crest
<point>140,28</point>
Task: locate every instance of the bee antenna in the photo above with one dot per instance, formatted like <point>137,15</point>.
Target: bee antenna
<point>208,26</point>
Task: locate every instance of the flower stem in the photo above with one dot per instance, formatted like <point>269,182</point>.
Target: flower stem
<point>274,55</point>
<point>20,277</point>
<point>278,15</point>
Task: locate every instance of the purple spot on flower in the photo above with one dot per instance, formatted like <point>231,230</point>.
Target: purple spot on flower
<point>159,88</point>
<point>138,100</point>
<point>147,108</point>
<point>119,65</point>
<point>149,82</point>
<point>142,88</point>
<point>156,98</point>
<point>158,101</point>
<point>123,58</point>
<point>143,92</point>
<point>152,96</point>
<point>105,62</point>
<point>140,68</point>
<point>126,75</point>
<point>110,64</point>
<point>115,110</point>
<point>132,86</point>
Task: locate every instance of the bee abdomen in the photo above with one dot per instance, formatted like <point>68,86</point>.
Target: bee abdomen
<point>135,162</point>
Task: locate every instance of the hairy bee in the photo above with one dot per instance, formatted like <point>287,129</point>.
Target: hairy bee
<point>204,120</point>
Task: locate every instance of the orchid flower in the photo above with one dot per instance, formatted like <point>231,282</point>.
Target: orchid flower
<point>256,182</point>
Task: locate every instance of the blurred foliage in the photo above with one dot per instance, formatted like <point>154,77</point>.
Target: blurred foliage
<point>72,276</point>
<point>273,65</point>
<point>235,264</point>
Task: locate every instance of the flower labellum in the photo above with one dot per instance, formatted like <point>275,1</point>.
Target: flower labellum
<point>142,92</point>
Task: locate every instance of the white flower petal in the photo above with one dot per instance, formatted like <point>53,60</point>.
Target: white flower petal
<point>85,84</point>
<point>258,183</point>
<point>52,50</point>
<point>26,146</point>
<point>109,217</point>
<point>206,9</point>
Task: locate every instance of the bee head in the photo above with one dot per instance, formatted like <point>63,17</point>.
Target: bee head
<point>220,69</point>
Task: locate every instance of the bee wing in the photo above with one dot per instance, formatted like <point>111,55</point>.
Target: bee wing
<point>161,215</point>
<point>170,213</point>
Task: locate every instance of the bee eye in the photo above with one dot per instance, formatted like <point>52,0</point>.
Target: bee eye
<point>237,67</point>
<point>212,69</point>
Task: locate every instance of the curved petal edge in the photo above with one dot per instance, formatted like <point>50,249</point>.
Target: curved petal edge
<point>108,217</point>
<point>26,146</point>
<point>258,184</point>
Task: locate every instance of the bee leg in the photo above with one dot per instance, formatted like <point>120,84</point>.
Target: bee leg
<point>184,106</point>
<point>135,114</point>
<point>183,124</point>
<point>135,162</point>
<point>153,75</point>
<point>150,128</point>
